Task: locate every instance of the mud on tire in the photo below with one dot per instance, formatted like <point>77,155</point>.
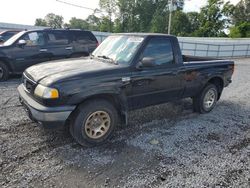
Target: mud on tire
<point>93,122</point>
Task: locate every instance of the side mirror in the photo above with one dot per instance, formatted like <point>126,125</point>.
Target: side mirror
<point>146,62</point>
<point>21,42</point>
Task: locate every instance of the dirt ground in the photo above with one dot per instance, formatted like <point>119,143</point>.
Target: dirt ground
<point>163,146</point>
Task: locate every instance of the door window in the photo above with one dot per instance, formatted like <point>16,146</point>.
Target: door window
<point>160,49</point>
<point>83,38</point>
<point>34,39</point>
<point>58,38</point>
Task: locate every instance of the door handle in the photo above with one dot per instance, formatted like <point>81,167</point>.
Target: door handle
<point>69,48</point>
<point>43,50</point>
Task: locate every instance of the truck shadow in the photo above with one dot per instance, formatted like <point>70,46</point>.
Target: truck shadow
<point>170,111</point>
<point>132,149</point>
<point>158,116</point>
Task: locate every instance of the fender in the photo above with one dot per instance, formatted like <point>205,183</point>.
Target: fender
<point>215,73</point>
<point>211,76</point>
<point>116,93</point>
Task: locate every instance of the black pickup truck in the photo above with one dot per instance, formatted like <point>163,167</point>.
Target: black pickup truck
<point>127,71</point>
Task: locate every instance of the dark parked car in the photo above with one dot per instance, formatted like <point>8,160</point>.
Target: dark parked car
<point>126,72</point>
<point>31,47</point>
<point>6,35</point>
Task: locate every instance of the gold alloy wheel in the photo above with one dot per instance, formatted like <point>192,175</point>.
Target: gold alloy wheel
<point>97,124</point>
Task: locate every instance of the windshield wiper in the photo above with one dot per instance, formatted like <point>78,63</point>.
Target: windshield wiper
<point>108,58</point>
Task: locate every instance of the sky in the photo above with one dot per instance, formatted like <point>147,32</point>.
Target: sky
<point>26,11</point>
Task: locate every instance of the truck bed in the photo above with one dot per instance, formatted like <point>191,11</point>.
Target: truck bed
<point>201,62</point>
<point>187,58</point>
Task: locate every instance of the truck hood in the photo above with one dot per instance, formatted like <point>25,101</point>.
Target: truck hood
<point>53,71</point>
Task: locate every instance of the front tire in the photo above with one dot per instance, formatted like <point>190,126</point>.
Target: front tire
<point>4,72</point>
<point>93,122</point>
<point>206,100</point>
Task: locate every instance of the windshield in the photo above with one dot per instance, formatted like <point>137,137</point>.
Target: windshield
<point>14,38</point>
<point>119,49</point>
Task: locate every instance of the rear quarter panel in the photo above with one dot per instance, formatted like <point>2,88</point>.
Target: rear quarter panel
<point>198,74</point>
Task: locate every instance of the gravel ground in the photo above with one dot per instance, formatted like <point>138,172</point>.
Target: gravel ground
<point>163,146</point>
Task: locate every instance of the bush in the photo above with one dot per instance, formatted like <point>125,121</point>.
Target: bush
<point>240,31</point>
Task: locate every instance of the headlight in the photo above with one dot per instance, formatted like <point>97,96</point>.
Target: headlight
<point>46,92</point>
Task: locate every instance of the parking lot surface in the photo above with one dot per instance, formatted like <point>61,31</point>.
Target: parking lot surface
<point>163,146</point>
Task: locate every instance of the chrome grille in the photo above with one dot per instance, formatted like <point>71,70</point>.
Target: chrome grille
<point>28,84</point>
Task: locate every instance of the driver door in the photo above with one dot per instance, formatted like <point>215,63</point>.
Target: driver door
<point>31,53</point>
<point>159,83</point>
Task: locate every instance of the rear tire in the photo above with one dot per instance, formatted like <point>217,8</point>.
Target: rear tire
<point>93,122</point>
<point>206,100</point>
<point>4,72</point>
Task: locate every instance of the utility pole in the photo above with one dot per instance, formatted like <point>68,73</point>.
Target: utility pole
<point>170,16</point>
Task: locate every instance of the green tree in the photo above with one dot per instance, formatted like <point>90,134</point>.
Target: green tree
<point>240,31</point>
<point>160,17</point>
<point>40,22</point>
<point>54,21</point>
<point>76,23</point>
<point>126,15</point>
<point>241,12</point>
<point>146,11</point>
<point>105,24</point>
<point>241,20</point>
<point>109,6</point>
<point>194,22</point>
<point>178,28</point>
<point>50,20</point>
<point>117,26</point>
<point>212,19</point>
<point>159,22</point>
<point>143,15</point>
<point>93,23</point>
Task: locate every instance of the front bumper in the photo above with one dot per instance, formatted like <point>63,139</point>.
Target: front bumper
<point>47,116</point>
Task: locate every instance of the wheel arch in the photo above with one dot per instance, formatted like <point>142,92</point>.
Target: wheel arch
<point>7,63</point>
<point>117,100</point>
<point>219,83</point>
<point>112,98</point>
